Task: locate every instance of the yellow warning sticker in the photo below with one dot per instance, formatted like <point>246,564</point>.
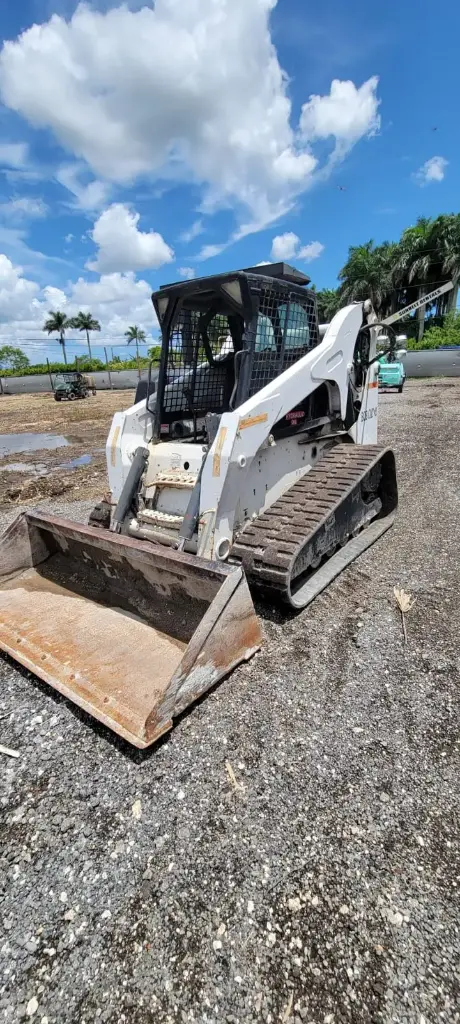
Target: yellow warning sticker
<point>113,446</point>
<point>218,452</point>
<point>251,421</point>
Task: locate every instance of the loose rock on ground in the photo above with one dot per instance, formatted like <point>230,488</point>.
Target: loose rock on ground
<point>146,888</point>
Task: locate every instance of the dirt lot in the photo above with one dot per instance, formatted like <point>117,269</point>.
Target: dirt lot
<point>322,888</point>
<point>80,429</point>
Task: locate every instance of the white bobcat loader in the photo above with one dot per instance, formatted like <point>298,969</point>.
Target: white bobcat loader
<point>251,464</point>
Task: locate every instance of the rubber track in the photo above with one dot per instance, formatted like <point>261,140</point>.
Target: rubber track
<point>268,547</point>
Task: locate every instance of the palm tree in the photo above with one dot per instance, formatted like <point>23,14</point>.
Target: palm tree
<point>367,274</point>
<point>58,323</point>
<point>416,261</point>
<point>86,322</point>
<point>329,301</point>
<point>392,275</point>
<point>137,335</point>
<point>448,238</point>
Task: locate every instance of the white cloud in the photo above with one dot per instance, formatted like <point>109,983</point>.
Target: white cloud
<point>288,247</point>
<point>54,297</point>
<point>193,232</point>
<point>88,197</point>
<point>17,294</point>
<point>187,272</point>
<point>284,247</point>
<point>68,239</point>
<point>13,154</point>
<point>209,251</point>
<point>116,300</point>
<point>141,92</point>
<point>432,170</point>
<point>347,115</point>
<point>22,207</point>
<point>122,247</point>
<point>310,252</point>
<point>263,263</point>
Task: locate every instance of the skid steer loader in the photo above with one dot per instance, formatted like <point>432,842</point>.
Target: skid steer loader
<point>254,464</point>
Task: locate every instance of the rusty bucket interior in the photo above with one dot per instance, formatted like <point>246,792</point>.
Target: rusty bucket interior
<point>131,632</point>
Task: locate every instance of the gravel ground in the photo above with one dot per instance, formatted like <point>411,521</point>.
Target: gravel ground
<point>321,884</point>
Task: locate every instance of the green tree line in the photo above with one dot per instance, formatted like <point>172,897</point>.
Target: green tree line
<point>395,274</point>
<point>14,363</point>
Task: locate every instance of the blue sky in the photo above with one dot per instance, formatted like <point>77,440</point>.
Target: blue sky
<point>154,141</point>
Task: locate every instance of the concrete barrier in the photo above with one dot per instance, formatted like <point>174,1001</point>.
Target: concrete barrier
<point>121,380</point>
<point>433,363</point>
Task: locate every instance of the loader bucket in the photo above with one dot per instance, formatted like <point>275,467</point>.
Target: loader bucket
<point>131,632</point>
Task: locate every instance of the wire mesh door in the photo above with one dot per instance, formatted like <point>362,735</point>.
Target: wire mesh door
<point>287,328</point>
<point>199,373</point>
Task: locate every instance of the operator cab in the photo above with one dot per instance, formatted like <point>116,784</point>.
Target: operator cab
<point>225,337</point>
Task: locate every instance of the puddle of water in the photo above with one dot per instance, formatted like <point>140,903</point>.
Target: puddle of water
<point>82,460</point>
<point>37,468</point>
<point>12,443</point>
<point>41,469</point>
